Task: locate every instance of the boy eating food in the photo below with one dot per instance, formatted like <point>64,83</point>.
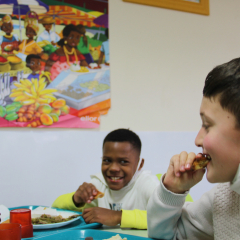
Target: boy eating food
<point>216,214</point>
<point>126,187</point>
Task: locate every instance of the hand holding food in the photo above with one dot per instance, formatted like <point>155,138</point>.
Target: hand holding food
<point>201,161</point>
<point>180,176</point>
<point>102,215</point>
<point>86,193</point>
<point>98,195</point>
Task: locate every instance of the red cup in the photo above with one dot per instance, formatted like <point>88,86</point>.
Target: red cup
<point>23,216</point>
<point>10,231</point>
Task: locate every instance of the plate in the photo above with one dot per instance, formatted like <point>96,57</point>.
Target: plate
<point>54,225</point>
<point>43,232</point>
<point>53,212</point>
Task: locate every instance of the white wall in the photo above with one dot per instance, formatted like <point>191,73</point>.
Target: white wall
<point>159,60</point>
<point>38,166</point>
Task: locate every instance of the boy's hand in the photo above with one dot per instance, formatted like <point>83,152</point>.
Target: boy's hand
<point>179,177</point>
<point>85,193</point>
<point>102,215</point>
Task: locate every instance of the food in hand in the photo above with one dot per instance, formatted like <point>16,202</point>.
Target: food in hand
<point>200,162</point>
<point>48,219</point>
<point>99,195</point>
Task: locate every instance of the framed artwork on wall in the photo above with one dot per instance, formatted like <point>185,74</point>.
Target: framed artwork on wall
<point>193,6</point>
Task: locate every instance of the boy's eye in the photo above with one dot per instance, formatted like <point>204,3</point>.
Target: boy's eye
<point>106,160</point>
<point>123,162</point>
<point>205,126</point>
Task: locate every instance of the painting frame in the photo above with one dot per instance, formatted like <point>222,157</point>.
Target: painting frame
<point>181,5</point>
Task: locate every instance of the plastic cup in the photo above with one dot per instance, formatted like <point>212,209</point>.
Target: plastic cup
<point>23,216</point>
<point>10,231</point>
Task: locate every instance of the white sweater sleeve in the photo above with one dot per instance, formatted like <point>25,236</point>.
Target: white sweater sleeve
<point>170,218</point>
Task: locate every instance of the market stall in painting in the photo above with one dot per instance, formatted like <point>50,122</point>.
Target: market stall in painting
<point>54,63</point>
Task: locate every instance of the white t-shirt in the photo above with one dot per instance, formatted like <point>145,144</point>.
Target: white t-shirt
<point>133,196</point>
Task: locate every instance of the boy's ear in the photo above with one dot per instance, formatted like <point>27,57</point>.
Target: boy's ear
<point>141,164</point>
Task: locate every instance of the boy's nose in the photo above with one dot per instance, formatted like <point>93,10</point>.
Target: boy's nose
<point>114,167</point>
<point>199,138</point>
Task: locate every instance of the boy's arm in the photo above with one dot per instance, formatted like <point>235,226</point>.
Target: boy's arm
<point>169,218</point>
<point>138,218</point>
<point>65,201</point>
<point>134,219</point>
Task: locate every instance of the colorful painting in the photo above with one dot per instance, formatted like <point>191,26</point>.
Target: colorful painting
<point>54,63</point>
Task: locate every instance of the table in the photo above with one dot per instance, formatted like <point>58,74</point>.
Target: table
<point>80,225</point>
<point>96,234</point>
<point>117,229</point>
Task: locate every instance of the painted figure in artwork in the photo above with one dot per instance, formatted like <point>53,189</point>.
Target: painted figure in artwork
<point>84,45</point>
<point>8,42</point>
<point>33,61</point>
<point>67,56</point>
<point>29,46</point>
<point>48,35</point>
<point>104,51</point>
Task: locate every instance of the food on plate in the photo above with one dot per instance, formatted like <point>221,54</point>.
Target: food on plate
<point>99,195</point>
<point>48,219</point>
<point>200,162</point>
<point>117,237</point>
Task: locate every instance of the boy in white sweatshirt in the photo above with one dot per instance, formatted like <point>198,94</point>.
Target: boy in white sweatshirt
<point>216,214</point>
<point>126,186</point>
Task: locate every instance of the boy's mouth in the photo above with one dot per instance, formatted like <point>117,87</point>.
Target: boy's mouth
<point>114,179</point>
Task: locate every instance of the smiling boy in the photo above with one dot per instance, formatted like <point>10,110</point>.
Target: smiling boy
<point>216,214</point>
<point>126,186</point>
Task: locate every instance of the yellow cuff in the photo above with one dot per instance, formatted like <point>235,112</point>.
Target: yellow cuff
<point>66,202</point>
<point>134,219</point>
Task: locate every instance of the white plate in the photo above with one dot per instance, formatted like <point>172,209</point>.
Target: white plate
<point>57,225</point>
